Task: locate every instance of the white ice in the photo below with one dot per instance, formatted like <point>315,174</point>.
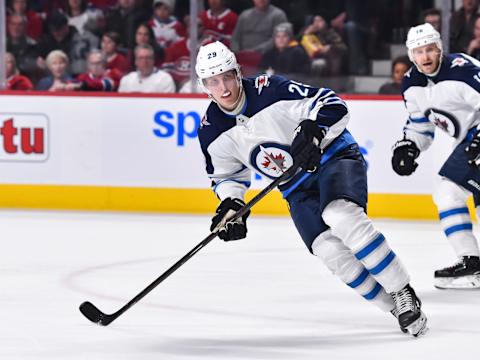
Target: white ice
<point>264,297</point>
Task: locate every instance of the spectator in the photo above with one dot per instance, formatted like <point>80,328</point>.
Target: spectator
<point>63,37</point>
<point>166,28</point>
<point>34,26</point>
<point>287,57</point>
<point>474,46</point>
<point>83,17</point>
<point>177,56</point>
<point>59,79</point>
<point>124,20</point>
<point>355,24</point>
<point>400,66</point>
<point>115,59</point>
<point>15,81</point>
<point>254,28</point>
<point>22,47</point>
<point>324,46</point>
<point>146,79</point>
<point>144,36</point>
<point>98,77</point>
<point>461,26</point>
<point>433,16</point>
<point>219,21</point>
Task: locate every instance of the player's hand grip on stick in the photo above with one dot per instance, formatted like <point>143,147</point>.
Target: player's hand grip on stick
<point>222,222</point>
<point>92,313</point>
<point>404,154</point>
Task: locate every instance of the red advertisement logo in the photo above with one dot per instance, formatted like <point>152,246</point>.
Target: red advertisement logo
<point>23,137</point>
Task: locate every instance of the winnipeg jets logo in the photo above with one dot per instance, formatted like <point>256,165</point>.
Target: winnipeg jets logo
<point>273,162</point>
<point>261,82</point>
<point>444,120</point>
<point>459,61</point>
<point>408,73</point>
<point>271,159</point>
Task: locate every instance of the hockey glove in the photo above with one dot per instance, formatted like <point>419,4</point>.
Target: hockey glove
<point>473,150</point>
<point>305,148</point>
<point>230,230</point>
<point>404,154</point>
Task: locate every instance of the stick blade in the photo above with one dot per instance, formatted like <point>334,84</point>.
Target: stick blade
<point>92,313</point>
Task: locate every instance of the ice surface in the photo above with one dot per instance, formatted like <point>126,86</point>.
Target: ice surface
<point>261,298</point>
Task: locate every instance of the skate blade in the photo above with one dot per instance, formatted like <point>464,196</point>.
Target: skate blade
<point>419,326</point>
<point>462,282</point>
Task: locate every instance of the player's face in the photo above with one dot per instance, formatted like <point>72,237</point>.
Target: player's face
<point>427,58</point>
<point>224,88</point>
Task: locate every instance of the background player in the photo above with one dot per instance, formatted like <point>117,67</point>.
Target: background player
<point>263,125</point>
<point>443,91</point>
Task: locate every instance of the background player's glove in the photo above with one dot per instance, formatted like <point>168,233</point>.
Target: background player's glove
<point>230,230</point>
<point>473,150</point>
<point>404,154</point>
<point>305,147</point>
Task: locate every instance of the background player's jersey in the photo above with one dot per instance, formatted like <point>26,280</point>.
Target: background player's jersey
<point>450,100</point>
<point>259,138</point>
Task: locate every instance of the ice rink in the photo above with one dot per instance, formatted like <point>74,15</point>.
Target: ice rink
<point>261,298</point>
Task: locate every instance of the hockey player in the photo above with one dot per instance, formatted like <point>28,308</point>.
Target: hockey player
<point>444,91</point>
<point>264,125</point>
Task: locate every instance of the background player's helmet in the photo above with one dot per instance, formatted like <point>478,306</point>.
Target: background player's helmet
<point>422,35</point>
<point>213,59</point>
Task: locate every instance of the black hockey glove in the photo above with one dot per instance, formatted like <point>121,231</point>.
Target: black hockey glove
<point>230,230</point>
<point>404,154</point>
<point>305,148</point>
<point>473,150</point>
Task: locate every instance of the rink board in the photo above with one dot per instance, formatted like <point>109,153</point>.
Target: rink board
<point>140,153</point>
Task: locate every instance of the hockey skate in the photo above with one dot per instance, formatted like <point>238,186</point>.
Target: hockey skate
<point>465,274</point>
<point>408,312</point>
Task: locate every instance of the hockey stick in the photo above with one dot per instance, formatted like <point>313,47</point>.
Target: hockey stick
<point>92,313</point>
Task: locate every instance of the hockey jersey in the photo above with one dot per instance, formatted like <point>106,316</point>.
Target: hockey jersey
<point>449,101</point>
<point>259,138</point>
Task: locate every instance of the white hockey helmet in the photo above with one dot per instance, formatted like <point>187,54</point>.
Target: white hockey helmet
<point>213,59</point>
<point>422,35</point>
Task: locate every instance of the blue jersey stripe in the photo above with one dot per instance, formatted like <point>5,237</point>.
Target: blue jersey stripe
<point>383,264</point>
<point>419,120</point>
<point>359,280</point>
<point>370,247</point>
<point>372,294</point>
<point>447,213</point>
<point>456,228</point>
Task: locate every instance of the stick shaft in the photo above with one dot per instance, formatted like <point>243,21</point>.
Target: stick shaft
<point>199,246</point>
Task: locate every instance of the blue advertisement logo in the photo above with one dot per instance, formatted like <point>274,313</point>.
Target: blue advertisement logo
<point>180,125</point>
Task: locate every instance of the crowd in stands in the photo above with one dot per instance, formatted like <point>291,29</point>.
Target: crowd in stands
<point>144,45</point>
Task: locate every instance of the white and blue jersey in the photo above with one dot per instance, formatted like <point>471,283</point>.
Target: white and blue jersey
<point>259,138</point>
<point>450,100</point>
